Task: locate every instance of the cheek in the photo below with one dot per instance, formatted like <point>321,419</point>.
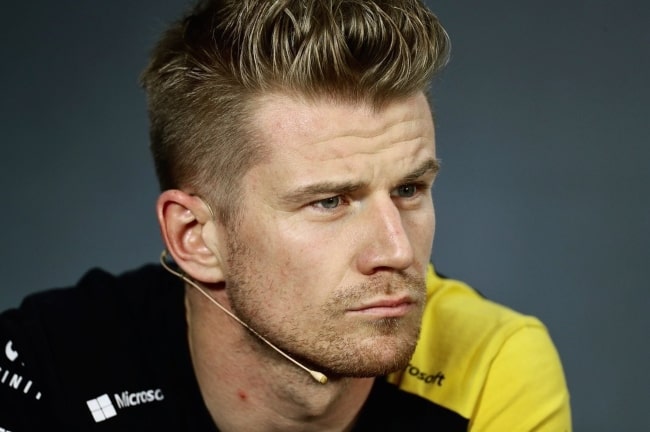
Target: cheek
<point>316,260</point>
<point>288,254</point>
<point>420,229</point>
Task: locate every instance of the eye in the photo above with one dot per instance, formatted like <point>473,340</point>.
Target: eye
<point>405,191</point>
<point>329,203</point>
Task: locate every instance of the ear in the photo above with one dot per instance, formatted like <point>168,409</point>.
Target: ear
<point>190,234</point>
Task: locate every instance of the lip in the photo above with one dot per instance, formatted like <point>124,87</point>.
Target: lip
<point>386,307</point>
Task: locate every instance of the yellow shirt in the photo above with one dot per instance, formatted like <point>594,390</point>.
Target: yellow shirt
<point>493,366</point>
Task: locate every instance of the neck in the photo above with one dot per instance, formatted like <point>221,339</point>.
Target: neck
<point>247,386</point>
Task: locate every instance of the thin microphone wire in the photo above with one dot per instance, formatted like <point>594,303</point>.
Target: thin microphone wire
<point>321,378</point>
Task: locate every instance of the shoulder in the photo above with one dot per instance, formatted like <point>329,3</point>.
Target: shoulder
<point>67,343</point>
<point>102,310</point>
<point>98,289</point>
<point>458,322</point>
<point>100,304</point>
<point>485,361</point>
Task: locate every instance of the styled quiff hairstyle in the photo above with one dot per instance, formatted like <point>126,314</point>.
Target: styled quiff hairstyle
<point>209,69</point>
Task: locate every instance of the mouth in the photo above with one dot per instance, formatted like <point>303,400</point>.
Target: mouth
<point>384,308</point>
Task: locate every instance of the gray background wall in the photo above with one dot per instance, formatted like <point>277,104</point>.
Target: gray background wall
<point>542,203</point>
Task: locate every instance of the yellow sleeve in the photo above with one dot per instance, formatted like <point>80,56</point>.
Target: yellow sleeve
<point>489,364</point>
<point>524,389</point>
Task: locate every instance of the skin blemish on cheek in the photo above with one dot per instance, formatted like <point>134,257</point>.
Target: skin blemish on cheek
<point>242,395</point>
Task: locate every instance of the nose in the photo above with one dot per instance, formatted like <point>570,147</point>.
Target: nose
<point>386,245</point>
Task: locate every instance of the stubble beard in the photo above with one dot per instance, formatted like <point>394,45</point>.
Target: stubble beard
<point>360,349</point>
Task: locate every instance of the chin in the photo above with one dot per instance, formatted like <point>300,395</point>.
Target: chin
<point>377,357</point>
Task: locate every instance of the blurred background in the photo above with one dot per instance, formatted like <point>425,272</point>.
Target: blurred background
<point>542,203</point>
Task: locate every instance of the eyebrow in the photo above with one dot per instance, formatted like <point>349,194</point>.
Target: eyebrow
<point>308,192</point>
<point>428,166</point>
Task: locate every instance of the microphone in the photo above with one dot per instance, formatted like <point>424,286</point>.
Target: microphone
<point>318,376</point>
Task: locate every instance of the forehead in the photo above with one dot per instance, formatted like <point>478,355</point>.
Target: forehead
<point>325,129</point>
<point>330,146</point>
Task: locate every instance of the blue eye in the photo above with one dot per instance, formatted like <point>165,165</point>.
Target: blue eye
<point>329,203</point>
<point>406,191</point>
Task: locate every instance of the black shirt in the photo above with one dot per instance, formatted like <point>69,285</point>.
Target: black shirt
<point>111,354</point>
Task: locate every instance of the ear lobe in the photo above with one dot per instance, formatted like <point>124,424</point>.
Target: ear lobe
<point>187,228</point>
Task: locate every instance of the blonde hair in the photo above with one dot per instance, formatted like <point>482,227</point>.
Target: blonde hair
<point>208,69</point>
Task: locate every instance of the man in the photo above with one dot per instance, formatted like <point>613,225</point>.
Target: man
<point>295,149</point>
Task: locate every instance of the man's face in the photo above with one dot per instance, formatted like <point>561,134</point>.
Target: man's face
<point>329,259</point>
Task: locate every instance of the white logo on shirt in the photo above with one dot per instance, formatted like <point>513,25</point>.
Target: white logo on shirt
<point>10,353</point>
<point>127,399</point>
<point>101,408</point>
<point>17,382</point>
